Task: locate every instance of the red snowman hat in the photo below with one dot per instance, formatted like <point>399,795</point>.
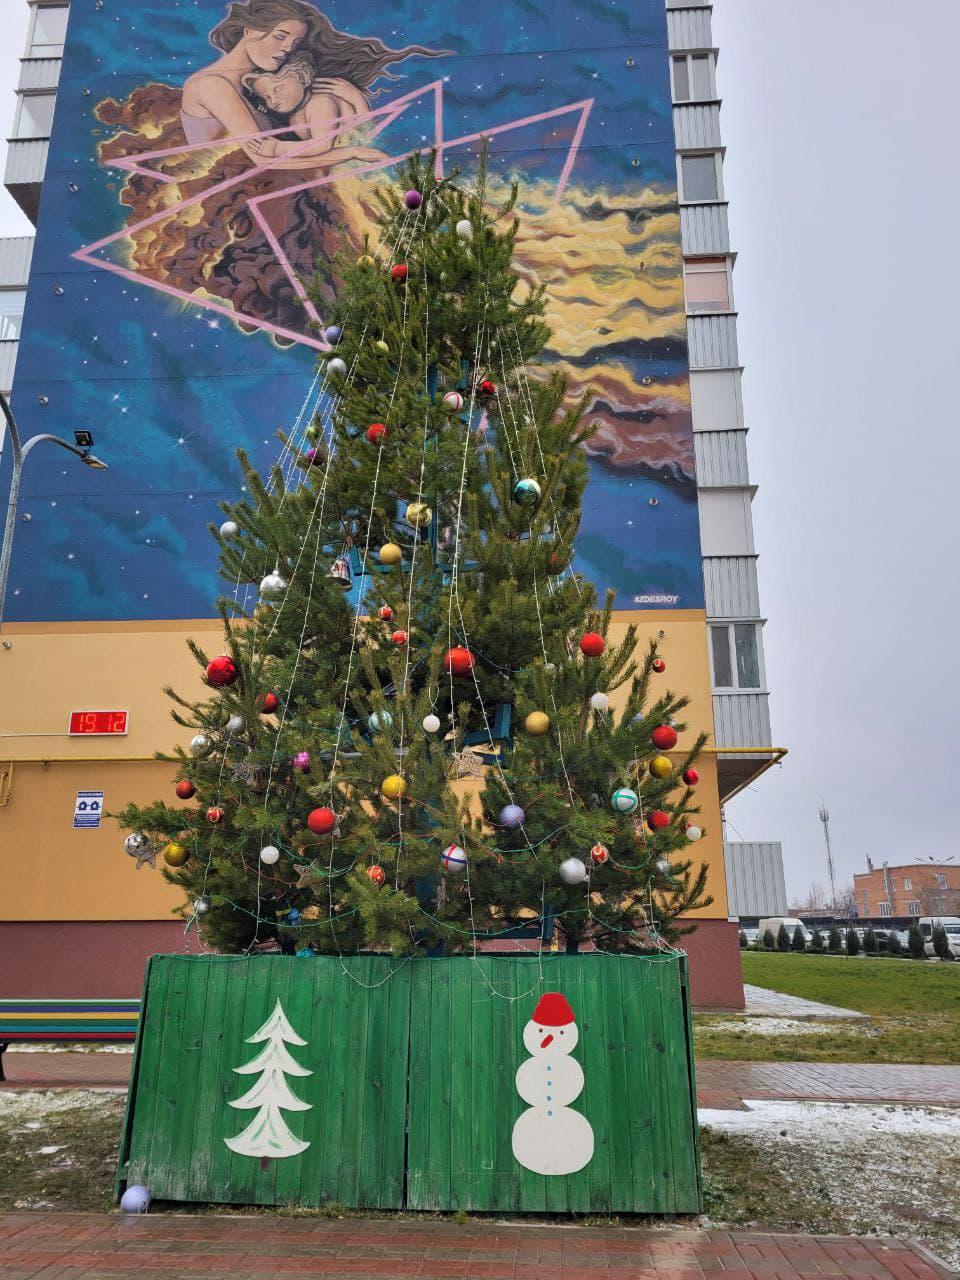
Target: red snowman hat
<point>553,1010</point>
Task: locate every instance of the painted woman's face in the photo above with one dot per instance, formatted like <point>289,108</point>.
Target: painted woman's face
<point>267,49</point>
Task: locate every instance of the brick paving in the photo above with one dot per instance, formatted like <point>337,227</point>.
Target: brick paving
<point>39,1246</point>
<point>761,1003</point>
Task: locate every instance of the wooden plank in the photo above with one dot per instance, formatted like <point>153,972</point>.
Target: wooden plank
<point>145,1127</point>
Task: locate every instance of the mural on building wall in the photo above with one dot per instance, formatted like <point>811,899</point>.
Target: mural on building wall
<point>206,156</point>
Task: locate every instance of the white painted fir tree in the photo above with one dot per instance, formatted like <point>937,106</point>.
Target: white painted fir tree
<point>267,1134</point>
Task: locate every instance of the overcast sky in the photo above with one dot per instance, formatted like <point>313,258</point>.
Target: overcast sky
<point>840,122</point>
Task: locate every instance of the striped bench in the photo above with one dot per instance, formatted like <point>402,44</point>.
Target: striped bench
<point>100,1021</point>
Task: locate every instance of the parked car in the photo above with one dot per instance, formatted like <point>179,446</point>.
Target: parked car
<point>790,922</point>
<point>951,927</point>
<point>751,933</point>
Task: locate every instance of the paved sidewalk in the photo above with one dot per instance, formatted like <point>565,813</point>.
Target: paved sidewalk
<point>42,1246</point>
<point>761,1003</point>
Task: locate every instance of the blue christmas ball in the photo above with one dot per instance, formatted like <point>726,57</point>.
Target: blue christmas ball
<point>511,815</point>
<point>305,951</point>
<point>526,492</point>
<point>293,916</point>
<point>135,1199</point>
<point>332,334</point>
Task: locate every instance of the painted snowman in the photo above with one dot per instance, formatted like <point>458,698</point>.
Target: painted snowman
<point>549,1138</point>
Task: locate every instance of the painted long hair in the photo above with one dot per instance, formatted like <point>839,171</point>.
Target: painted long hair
<point>360,59</point>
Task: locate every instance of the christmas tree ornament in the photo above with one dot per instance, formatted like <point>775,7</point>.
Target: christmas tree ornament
<point>486,389</point>
<point>185,789</point>
<point>382,347</point>
<point>431,724</point>
<point>332,334</point>
<point>235,725</point>
<point>379,720</point>
<point>336,368</point>
<point>301,762</point>
<point>512,816</point>
<point>537,723</point>
<point>221,671</point>
<point>664,737</point>
<point>624,800</point>
<point>314,431</point>
<point>555,564</point>
<point>592,644</point>
<point>390,553</point>
<point>135,844</point>
<point>464,229</point>
<point>458,661</point>
<point>229,529</point>
<point>202,905</point>
<point>412,199</point>
<point>310,913</point>
<point>273,585</point>
<point>377,875</point>
<point>453,858</point>
<point>599,701</point>
<point>399,273</point>
<point>693,833</point>
<point>657,819</point>
<point>385,613</point>
<point>215,815</point>
<point>269,855</point>
<point>268,704</point>
<point>658,665</point>
<point>691,777</point>
<point>599,854</point>
<point>526,492</point>
<point>293,916</point>
<point>393,787</point>
<point>453,402</point>
<point>663,866</point>
<point>399,638</point>
<point>135,1199</point>
<point>366,261</point>
<point>315,457</point>
<point>321,821</point>
<point>175,854</point>
<point>661,767</point>
<point>200,745</point>
<point>377,433</point>
<point>418,514</point>
<point>573,871</point>
<point>340,573</point>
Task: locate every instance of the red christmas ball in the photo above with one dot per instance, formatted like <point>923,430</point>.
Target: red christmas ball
<point>321,821</point>
<point>385,613</point>
<point>487,388</point>
<point>186,789</point>
<point>221,671</point>
<point>599,854</point>
<point>658,665</point>
<point>459,661</point>
<point>555,563</point>
<point>664,737</point>
<point>399,638</point>
<point>592,644</point>
<point>377,875</point>
<point>399,273</point>
<point>657,819</point>
<point>268,704</point>
<point>377,433</point>
<point>215,815</point>
<point>691,777</point>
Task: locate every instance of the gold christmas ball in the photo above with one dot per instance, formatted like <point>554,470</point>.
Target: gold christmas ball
<point>537,723</point>
<point>661,767</point>
<point>418,514</point>
<point>310,913</point>
<point>382,347</point>
<point>393,787</point>
<point>390,553</point>
<point>365,260</point>
<point>175,855</point>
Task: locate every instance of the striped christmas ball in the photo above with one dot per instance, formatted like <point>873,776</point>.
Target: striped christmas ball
<point>453,858</point>
<point>624,800</point>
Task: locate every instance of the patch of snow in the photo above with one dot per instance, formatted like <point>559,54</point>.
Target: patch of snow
<point>51,1046</point>
<point>25,1106</point>
<point>833,1122</point>
<point>766,1025</point>
<point>49,1151</point>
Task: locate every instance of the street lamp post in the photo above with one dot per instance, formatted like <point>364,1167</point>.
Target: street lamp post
<point>19,451</point>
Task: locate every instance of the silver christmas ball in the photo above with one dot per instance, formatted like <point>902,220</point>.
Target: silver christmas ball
<point>202,905</point>
<point>336,367</point>
<point>599,701</point>
<point>573,871</point>
<point>269,854</point>
<point>663,866</point>
<point>273,585</point>
<point>229,529</point>
<point>236,724</point>
<point>431,724</point>
<point>135,843</point>
<point>200,745</point>
<point>464,229</point>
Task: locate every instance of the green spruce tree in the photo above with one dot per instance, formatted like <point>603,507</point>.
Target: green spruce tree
<point>915,942</point>
<point>783,938</point>
<point>834,939</point>
<point>852,941</point>
<point>798,942</point>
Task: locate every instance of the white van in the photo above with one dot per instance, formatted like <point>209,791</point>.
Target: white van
<point>951,926</point>
<point>789,922</point>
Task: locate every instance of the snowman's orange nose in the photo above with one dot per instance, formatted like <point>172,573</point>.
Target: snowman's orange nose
<point>544,1043</point>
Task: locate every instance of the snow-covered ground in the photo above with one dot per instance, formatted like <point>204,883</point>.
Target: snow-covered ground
<point>26,1108</point>
<point>51,1046</point>
<point>766,1025</point>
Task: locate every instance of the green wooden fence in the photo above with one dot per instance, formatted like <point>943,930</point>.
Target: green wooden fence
<point>400,1078</point>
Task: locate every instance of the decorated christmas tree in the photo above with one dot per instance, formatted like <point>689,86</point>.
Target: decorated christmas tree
<point>427,734</point>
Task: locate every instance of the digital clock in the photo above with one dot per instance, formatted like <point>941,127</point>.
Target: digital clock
<point>97,722</point>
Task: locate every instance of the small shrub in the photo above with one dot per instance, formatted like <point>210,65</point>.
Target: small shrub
<point>870,944</point>
<point>783,938</point>
<point>853,942</point>
<point>816,942</point>
<point>894,945</point>
<point>769,941</point>
<point>798,942</point>
<point>915,941</point>
<point>941,943</point>
<point>834,941</point>
<point>743,941</point>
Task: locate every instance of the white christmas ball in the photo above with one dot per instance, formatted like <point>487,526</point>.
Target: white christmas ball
<point>464,229</point>
<point>273,585</point>
<point>236,724</point>
<point>229,529</point>
<point>431,724</point>
<point>202,905</point>
<point>135,843</point>
<point>200,745</point>
<point>573,871</point>
<point>599,701</point>
<point>663,866</point>
<point>694,833</point>
<point>453,402</point>
<point>453,858</point>
<point>336,367</point>
<point>624,800</point>
<point>269,854</point>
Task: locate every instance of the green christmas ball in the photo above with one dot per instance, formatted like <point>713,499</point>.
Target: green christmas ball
<point>526,492</point>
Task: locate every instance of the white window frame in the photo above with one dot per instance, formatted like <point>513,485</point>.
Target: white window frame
<point>713,261</point>
<point>885,909</point>
<point>687,56</point>
<point>10,327</point>
<point>913,907</point>
<point>941,879</point>
<point>761,673</point>
<point>718,163</point>
<point>907,882</point>
<point>49,50</point>
<point>17,136</point>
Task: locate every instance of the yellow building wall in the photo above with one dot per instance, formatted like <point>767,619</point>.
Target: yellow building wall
<point>49,871</point>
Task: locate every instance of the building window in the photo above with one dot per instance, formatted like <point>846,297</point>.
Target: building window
<point>35,115</point>
<point>700,177</point>
<point>48,31</point>
<point>707,283</point>
<point>913,907</point>
<point>884,908</point>
<point>12,302</point>
<point>693,78</point>
<point>941,879</point>
<point>892,886</point>
<point>907,882</point>
<point>736,657</point>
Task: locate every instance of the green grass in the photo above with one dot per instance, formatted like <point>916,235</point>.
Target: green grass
<point>914,1011</point>
<point>79,1174</point>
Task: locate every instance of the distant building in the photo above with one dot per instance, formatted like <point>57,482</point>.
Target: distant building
<point>917,889</point>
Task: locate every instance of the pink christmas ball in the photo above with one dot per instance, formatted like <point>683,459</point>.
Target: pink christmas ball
<point>413,199</point>
<point>301,762</point>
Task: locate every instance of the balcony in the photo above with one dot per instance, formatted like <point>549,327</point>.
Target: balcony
<point>26,163</point>
<point>744,742</point>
